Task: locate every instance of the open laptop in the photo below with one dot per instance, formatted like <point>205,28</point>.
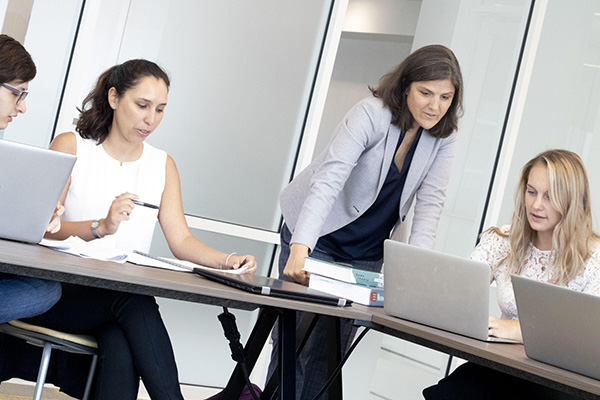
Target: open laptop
<point>272,287</point>
<point>560,326</point>
<point>31,182</point>
<point>437,289</point>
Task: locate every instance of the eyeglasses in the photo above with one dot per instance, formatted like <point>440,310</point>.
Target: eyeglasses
<point>22,93</point>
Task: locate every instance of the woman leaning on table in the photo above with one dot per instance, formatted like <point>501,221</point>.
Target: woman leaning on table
<point>550,239</point>
<point>115,166</point>
<point>20,296</point>
<point>391,147</point>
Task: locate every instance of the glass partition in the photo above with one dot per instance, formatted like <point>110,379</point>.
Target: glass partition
<point>562,107</point>
<point>487,38</point>
<point>242,76</point>
<point>50,31</point>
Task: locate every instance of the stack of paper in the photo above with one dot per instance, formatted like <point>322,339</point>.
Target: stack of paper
<point>79,247</point>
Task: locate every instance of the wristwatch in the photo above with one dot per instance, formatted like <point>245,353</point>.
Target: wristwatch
<point>95,226</point>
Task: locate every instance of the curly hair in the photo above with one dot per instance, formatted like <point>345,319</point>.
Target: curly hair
<point>570,196</point>
<point>429,63</point>
<point>96,115</point>
<point>16,63</point>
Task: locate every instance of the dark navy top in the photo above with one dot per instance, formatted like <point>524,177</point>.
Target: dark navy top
<point>363,238</point>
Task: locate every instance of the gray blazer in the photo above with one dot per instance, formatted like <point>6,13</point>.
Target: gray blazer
<point>344,180</point>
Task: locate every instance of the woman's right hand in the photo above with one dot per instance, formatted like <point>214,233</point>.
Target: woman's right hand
<point>295,264</point>
<point>505,328</point>
<point>119,211</point>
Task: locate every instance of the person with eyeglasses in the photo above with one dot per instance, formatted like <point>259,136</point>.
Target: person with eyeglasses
<point>20,94</point>
<point>21,297</point>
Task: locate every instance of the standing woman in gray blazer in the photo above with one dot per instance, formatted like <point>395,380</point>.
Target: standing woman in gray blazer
<point>390,147</point>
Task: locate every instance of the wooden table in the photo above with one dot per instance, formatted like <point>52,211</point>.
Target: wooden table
<point>38,261</point>
<point>41,262</point>
<point>508,358</point>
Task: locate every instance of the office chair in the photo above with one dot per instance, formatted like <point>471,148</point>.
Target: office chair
<point>50,339</point>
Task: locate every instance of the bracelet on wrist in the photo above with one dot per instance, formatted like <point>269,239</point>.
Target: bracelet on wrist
<point>228,257</point>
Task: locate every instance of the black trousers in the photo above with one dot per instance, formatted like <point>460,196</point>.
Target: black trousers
<point>311,365</point>
<point>132,340</point>
<point>473,381</point>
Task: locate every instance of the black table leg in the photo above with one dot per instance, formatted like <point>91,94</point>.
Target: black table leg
<point>287,355</point>
<point>303,330</point>
<point>334,355</point>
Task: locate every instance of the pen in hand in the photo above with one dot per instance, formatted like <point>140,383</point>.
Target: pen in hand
<point>141,203</point>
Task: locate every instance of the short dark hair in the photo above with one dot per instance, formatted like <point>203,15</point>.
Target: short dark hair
<point>96,114</point>
<point>429,63</point>
<point>16,63</point>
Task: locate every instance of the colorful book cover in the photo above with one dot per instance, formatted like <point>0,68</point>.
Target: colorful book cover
<point>343,273</point>
<point>368,296</point>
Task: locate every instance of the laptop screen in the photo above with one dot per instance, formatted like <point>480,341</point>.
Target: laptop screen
<point>31,182</point>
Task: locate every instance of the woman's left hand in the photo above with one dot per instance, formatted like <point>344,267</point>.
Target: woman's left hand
<point>505,329</point>
<point>54,225</point>
<point>236,262</point>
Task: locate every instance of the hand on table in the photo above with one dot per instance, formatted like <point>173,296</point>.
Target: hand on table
<point>241,261</point>
<point>505,329</point>
<point>295,264</point>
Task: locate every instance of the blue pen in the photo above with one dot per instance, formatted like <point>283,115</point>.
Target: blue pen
<point>141,203</point>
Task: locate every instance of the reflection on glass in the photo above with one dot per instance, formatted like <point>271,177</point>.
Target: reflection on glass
<point>241,76</point>
<point>562,109</point>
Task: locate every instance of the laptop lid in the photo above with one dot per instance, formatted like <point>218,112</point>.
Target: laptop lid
<point>272,287</point>
<point>560,326</point>
<point>436,289</point>
<point>31,182</point>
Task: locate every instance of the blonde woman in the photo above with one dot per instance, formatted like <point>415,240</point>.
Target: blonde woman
<point>550,239</point>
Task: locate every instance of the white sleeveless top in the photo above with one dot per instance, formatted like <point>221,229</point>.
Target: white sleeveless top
<point>97,179</point>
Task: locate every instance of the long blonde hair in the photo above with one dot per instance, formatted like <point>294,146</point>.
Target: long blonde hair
<point>573,235</point>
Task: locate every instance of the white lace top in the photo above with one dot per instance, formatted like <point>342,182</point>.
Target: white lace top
<point>493,248</point>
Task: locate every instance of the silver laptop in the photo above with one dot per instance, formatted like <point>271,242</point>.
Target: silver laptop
<point>560,326</point>
<point>31,182</point>
<point>437,289</point>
